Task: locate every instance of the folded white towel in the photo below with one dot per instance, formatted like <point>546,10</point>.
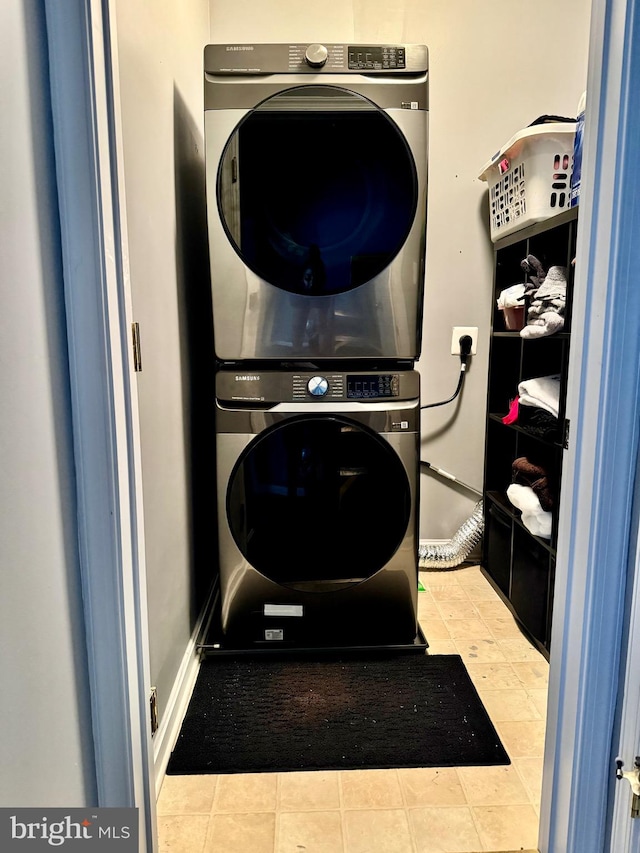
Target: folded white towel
<point>543,392</point>
<point>512,297</point>
<point>534,518</point>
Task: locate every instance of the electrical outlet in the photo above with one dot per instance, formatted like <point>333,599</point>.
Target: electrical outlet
<point>459,332</point>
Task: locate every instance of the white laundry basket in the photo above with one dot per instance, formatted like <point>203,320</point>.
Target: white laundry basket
<point>529,177</point>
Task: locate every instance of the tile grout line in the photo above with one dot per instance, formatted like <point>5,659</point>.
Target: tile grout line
<point>343,823</point>
<point>206,835</point>
<point>407,816</point>
<point>276,815</point>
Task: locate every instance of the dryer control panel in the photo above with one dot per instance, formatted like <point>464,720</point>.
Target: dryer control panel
<point>271,386</point>
<point>315,57</point>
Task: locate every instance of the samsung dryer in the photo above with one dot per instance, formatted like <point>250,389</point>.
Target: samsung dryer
<point>316,179</point>
<point>317,493</point>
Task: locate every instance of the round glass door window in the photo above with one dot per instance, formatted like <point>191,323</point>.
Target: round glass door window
<point>317,190</point>
<point>316,502</point>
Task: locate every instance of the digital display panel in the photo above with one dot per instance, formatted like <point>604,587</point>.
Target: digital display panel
<point>370,57</point>
<point>360,387</point>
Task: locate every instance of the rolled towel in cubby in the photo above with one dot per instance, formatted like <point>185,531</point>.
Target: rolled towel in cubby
<point>535,519</point>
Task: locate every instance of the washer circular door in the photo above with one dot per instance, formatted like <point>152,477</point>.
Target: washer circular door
<point>316,502</point>
<point>317,190</point>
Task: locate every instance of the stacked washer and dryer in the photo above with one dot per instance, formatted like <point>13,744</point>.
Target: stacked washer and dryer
<point>316,172</point>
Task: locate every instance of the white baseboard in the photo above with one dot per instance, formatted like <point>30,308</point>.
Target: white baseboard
<point>167,733</point>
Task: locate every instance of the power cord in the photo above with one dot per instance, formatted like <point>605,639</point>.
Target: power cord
<point>465,353</point>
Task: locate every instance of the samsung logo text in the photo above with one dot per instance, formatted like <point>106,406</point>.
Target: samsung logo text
<point>247,377</point>
<point>240,47</point>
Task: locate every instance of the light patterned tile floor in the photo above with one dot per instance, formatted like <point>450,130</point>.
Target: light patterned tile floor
<point>424,810</point>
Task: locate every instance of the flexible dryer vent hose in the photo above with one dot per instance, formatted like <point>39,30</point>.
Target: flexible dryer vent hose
<point>447,555</point>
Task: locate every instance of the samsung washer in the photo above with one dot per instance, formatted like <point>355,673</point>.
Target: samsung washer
<point>316,174</point>
<point>317,489</point>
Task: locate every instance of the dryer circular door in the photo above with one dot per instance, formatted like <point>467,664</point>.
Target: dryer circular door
<point>316,502</point>
<point>317,190</point>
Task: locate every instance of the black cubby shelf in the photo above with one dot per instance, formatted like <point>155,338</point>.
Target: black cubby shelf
<point>498,419</point>
<point>559,336</point>
<point>519,565</point>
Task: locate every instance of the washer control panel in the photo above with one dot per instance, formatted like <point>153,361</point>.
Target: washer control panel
<point>347,386</point>
<point>269,387</point>
<point>373,386</point>
<point>310,386</point>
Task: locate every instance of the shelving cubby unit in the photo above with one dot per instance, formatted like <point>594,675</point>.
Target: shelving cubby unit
<point>521,566</point>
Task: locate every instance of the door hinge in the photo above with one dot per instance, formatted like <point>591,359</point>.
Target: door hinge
<point>153,708</point>
<point>137,354</point>
<point>565,436</point>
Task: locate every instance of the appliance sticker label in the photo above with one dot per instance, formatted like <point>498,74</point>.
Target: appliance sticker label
<point>274,634</point>
<point>283,610</point>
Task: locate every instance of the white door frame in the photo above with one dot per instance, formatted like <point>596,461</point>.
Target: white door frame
<point>623,833</point>
<point>596,509</point>
<point>89,174</point>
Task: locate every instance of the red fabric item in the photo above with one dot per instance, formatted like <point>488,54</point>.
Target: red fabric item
<point>512,417</point>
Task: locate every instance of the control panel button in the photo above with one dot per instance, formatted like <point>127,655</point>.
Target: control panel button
<point>317,386</point>
<point>316,55</point>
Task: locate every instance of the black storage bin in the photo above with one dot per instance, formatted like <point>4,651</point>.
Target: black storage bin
<point>530,583</point>
<point>498,545</point>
